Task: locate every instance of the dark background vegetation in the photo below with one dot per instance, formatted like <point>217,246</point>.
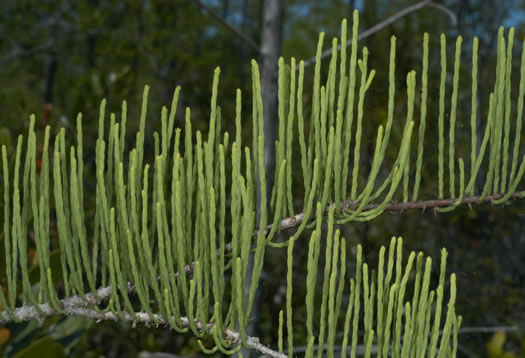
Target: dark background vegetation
<point>58,58</point>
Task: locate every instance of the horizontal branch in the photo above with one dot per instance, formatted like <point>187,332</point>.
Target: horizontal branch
<point>71,308</point>
<point>424,204</point>
<point>438,203</point>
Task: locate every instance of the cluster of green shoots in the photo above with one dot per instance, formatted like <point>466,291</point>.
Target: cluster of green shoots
<point>160,237</point>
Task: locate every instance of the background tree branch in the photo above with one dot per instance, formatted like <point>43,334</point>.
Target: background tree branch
<point>380,26</point>
<point>234,30</point>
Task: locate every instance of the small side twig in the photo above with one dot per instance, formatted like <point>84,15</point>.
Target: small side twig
<point>18,52</point>
<point>237,32</point>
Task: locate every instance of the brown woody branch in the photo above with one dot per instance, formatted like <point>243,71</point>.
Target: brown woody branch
<point>426,204</point>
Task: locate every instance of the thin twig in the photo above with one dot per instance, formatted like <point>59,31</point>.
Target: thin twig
<point>446,10</point>
<point>380,26</point>
<point>29,313</point>
<point>426,204</point>
<point>18,53</point>
<point>237,32</point>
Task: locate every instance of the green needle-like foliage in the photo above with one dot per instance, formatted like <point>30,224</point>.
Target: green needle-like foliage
<point>160,228</point>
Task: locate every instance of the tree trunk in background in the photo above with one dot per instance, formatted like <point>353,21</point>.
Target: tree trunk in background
<point>271,40</point>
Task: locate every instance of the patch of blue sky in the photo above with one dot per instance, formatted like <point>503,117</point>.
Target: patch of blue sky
<point>515,18</point>
<point>235,18</point>
<point>299,10</point>
<point>210,31</point>
<point>210,2</point>
<point>358,4</point>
